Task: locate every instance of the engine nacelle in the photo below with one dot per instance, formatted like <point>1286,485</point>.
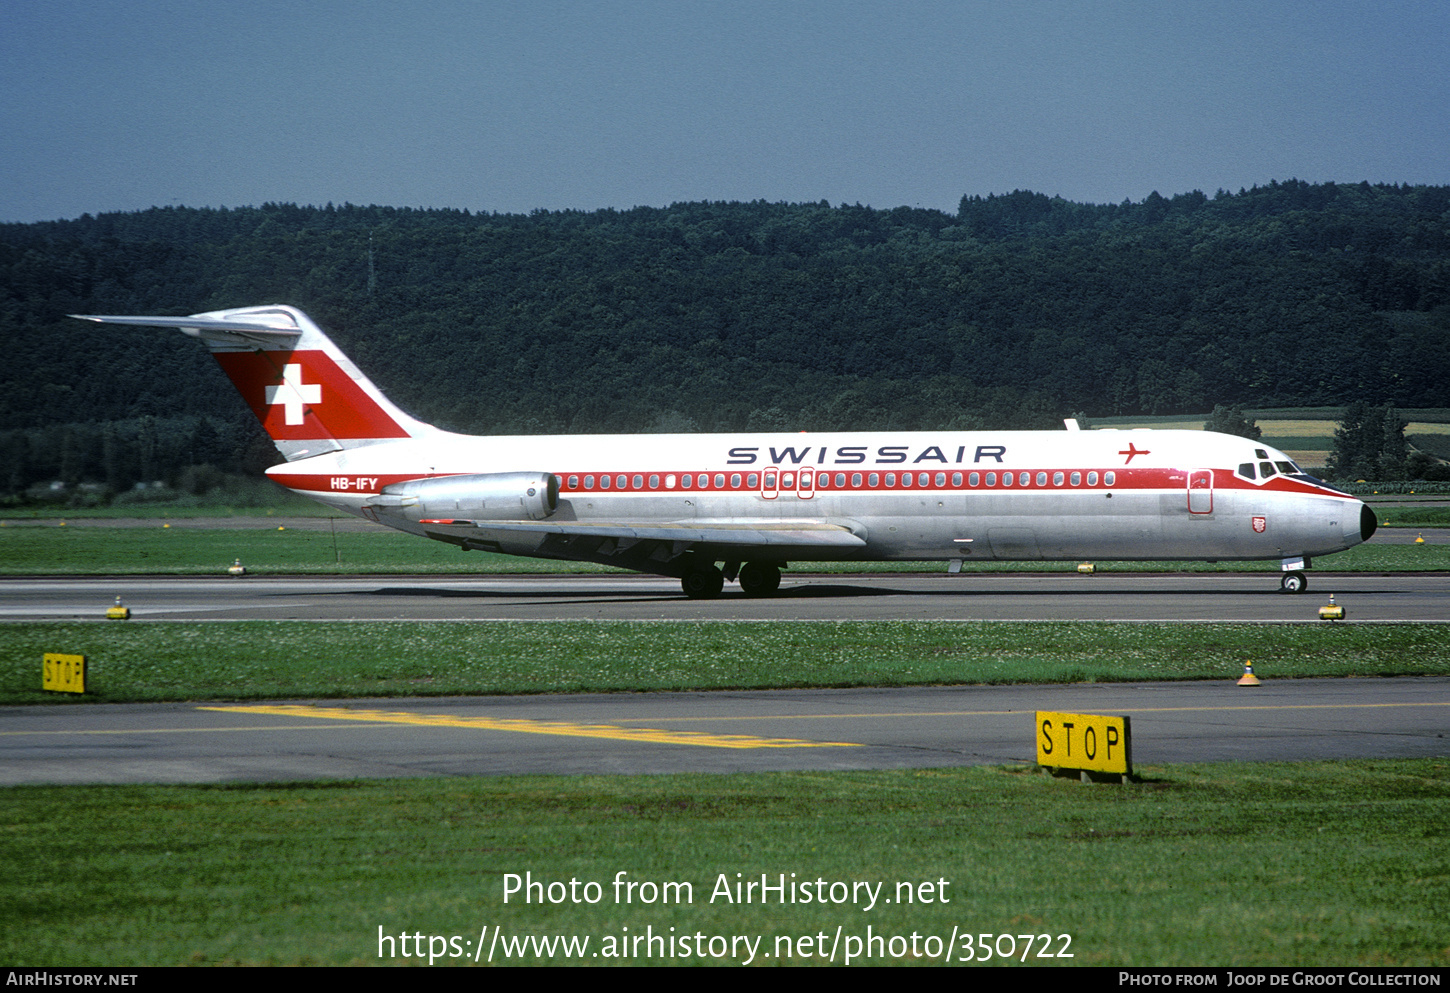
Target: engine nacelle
<point>498,496</point>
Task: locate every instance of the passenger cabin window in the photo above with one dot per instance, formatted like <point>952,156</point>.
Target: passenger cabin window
<point>1092,479</point>
<point>735,480</point>
<point>604,482</point>
<point>956,479</point>
<point>589,482</point>
<point>654,482</point>
<point>719,480</point>
<point>619,482</point>
<point>670,481</point>
<point>891,479</point>
<point>1077,479</point>
<point>855,479</point>
<point>752,480</point>
<point>874,479</point>
<point>638,482</point>
<point>941,479</point>
<point>1042,479</point>
<point>973,479</point>
<point>1057,478</point>
<point>573,482</point>
<point>1024,478</point>
<point>1006,478</point>
<point>1109,478</point>
<point>787,480</point>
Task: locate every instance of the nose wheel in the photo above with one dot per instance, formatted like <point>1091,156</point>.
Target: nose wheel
<point>1293,582</point>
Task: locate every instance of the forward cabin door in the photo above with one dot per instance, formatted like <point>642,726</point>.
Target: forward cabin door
<point>1200,491</point>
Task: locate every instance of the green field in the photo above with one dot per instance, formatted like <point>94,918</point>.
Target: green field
<point>94,550</point>
<point>1266,416</point>
<point>1332,863</point>
<point>1286,443</point>
<point>294,506</point>
<point>164,660</point>
<point>1231,864</point>
<point>1413,517</point>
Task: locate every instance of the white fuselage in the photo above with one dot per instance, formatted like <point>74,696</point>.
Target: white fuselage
<point>908,495</point>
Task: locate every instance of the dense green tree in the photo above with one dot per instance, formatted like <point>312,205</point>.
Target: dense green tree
<point>1231,419</point>
<point>1369,443</point>
<point>1007,314</point>
<point>1355,447</point>
<point>1392,459</point>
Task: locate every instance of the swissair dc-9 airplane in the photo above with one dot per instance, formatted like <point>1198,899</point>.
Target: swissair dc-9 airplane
<point>676,505</point>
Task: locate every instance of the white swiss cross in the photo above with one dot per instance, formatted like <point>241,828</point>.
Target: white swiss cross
<point>292,394</point>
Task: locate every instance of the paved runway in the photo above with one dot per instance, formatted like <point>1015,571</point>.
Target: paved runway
<point>880,596</point>
<point>914,727</point>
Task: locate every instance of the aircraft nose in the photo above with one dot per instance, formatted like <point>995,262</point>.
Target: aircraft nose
<point>1368,523</point>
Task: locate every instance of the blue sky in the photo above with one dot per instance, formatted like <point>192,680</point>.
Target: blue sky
<point>114,105</point>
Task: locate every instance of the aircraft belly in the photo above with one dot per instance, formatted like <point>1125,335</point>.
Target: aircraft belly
<point>1025,525</point>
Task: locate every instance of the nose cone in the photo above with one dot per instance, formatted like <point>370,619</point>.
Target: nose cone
<point>1368,523</point>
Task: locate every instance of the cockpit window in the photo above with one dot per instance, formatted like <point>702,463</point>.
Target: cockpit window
<point>1287,468</point>
<point>1261,453</point>
<point>1246,470</point>
<point>1267,468</point>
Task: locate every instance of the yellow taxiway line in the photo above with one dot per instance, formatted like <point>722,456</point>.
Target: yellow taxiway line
<point>564,728</point>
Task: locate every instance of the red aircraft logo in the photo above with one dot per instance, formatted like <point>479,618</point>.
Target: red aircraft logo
<point>1133,451</point>
<point>302,395</point>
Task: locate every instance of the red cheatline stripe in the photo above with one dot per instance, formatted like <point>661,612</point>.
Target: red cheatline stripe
<point>1165,480</point>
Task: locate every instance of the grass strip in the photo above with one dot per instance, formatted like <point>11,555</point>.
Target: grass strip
<point>1414,517</point>
<point>79,550</point>
<point>1329,863</point>
<point>295,659</point>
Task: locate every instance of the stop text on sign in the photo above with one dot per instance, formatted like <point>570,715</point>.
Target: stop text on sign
<point>1084,741</point>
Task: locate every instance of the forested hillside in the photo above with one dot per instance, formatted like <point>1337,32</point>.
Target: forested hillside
<point>1013,312</point>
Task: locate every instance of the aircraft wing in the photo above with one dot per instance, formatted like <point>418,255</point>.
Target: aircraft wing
<point>743,533</point>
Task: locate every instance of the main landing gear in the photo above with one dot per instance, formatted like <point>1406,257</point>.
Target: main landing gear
<point>1294,582</point>
<point>705,581</point>
<point>759,579</point>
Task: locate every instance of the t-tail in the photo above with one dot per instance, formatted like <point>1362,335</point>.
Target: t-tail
<point>308,395</point>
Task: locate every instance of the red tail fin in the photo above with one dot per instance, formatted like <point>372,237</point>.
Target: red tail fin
<point>309,396</point>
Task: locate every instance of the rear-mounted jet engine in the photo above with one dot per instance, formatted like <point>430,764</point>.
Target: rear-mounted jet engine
<point>501,496</point>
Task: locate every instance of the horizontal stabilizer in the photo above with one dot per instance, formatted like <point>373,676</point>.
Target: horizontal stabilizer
<point>229,331</point>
